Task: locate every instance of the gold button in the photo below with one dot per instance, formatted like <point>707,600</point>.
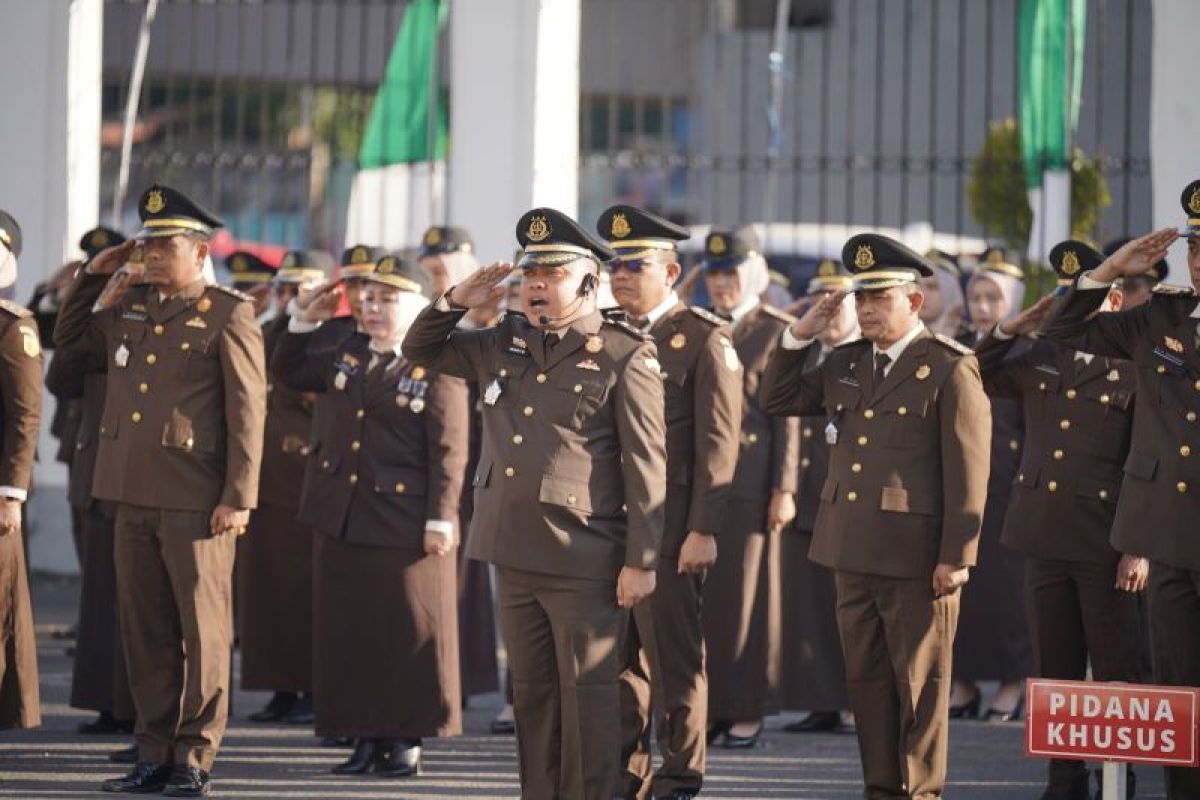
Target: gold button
<point>1065,424</point>
<point>354,477</point>
<point>270,387</point>
<point>503,373</point>
<point>190,442</point>
<point>1104,494</point>
<point>1181,487</point>
<point>528,411</point>
<point>570,499</point>
<point>851,496</point>
<point>1191,416</point>
<point>856,467</point>
<point>143,387</point>
<point>578,388</point>
<point>752,438</point>
<point>541,378</point>
<point>400,487</point>
<point>1052,486</point>
<point>1014,444</point>
<point>325,464</point>
<point>1160,369</point>
<point>869,413</point>
<point>804,462</point>
<point>185,346</point>
<point>359,414</point>
<point>356,445</point>
<point>862,441</point>
<point>808,433</point>
<point>158,330</point>
<point>1197,385</point>
<point>1105,398</point>
<point>1021,477</point>
<point>1058,455</point>
<point>902,411</point>
<point>840,407</point>
<point>518,438</point>
<point>1185,451</point>
<point>509,471</point>
<point>1072,394</point>
<point>1042,386</point>
<point>151,359</point>
<point>136,416</point>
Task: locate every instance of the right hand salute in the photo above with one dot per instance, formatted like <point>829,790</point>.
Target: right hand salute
<point>818,316</point>
<point>1028,320</point>
<point>111,259</point>
<point>1137,257</point>
<point>321,303</point>
<point>482,286</point>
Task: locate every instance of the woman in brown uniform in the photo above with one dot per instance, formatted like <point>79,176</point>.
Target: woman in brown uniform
<point>741,599</point>
<point>385,506</point>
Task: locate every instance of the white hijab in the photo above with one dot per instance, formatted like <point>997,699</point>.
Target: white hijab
<point>8,267</point>
<point>1012,288</point>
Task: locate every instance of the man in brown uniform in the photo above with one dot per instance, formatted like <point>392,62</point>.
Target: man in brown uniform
<point>1079,590</point>
<point>180,445</point>
<point>1160,492</point>
<point>702,380</point>
<point>20,415</point>
<point>569,492</point>
<point>901,508</point>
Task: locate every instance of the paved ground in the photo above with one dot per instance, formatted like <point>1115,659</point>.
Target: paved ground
<point>282,762</point>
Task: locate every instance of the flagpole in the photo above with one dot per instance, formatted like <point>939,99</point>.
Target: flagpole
<point>431,128</point>
<point>131,109</point>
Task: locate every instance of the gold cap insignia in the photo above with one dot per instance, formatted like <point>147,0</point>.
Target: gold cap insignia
<point>620,226</point>
<point>1070,263</point>
<point>678,341</point>
<point>99,239</point>
<point>827,269</point>
<point>1194,201</point>
<point>417,373</point>
<point>864,257</point>
<point>359,256</point>
<point>386,266</point>
<point>433,236</point>
<point>716,245</point>
<point>923,372</point>
<point>240,264</point>
<point>539,229</point>
<point>594,344</point>
<point>995,257</point>
<point>155,202</point>
<point>204,305</point>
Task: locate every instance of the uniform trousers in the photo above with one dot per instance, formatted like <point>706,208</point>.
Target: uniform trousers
<point>664,678</point>
<point>1175,646</point>
<point>897,639</point>
<point>174,590</point>
<point>564,639</point>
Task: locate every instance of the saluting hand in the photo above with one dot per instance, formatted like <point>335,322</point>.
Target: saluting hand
<point>482,286</point>
<point>226,519</point>
<point>1133,573</point>
<point>1028,320</point>
<point>818,316</point>
<point>1137,257</point>
<point>321,303</point>
<point>949,578</point>
<point>116,287</point>
<point>698,553</point>
<point>634,585</point>
<point>111,259</point>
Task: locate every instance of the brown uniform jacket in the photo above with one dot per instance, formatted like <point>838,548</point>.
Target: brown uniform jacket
<point>286,435</point>
<point>572,479</point>
<point>394,444</point>
<point>769,451</point>
<point>814,462</point>
<point>908,474</point>
<point>702,380</point>
<point>21,383</point>
<point>1077,426</point>
<point>1160,492</point>
<point>79,376</point>
<point>185,398</point>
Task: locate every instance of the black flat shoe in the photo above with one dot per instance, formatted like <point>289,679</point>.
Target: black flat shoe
<point>301,712</point>
<point>717,730</point>
<point>366,753</point>
<point>969,709</point>
<point>401,759</point>
<point>126,755</point>
<point>337,741</point>
<point>504,727</point>
<point>735,742</point>
<point>276,709</point>
<point>144,778</point>
<point>1017,713</point>
<point>187,781</point>
<point>816,722</point>
<point>105,724</point>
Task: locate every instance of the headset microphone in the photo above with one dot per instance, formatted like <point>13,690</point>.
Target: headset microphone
<point>586,286</point>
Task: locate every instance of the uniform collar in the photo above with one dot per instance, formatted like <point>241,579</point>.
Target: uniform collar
<point>742,310</point>
<point>896,350</point>
<point>660,310</point>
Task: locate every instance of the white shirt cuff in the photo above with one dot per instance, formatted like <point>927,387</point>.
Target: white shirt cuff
<point>1086,281</point>
<point>790,342</point>
<point>999,334</point>
<point>443,528</point>
<point>297,325</point>
<point>14,493</point>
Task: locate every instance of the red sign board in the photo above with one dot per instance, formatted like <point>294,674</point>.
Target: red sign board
<point>1112,722</point>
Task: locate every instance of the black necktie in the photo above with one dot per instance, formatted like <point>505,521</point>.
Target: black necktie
<point>549,339</point>
<point>881,362</point>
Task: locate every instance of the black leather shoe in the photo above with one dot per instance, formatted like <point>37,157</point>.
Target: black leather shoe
<point>280,706</point>
<point>816,722</point>
<point>969,709</point>
<point>735,742</point>
<point>366,753</point>
<point>187,781</point>
<point>400,758</point>
<point>504,727</point>
<point>105,724</point>
<point>301,712</point>
<point>144,778</point>
<point>126,755</point>
<point>337,741</point>
<point>717,730</point>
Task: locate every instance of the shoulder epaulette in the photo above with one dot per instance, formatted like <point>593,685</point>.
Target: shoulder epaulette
<point>1170,290</point>
<point>854,343</point>
<point>951,344</point>
<point>229,290</point>
<point>782,316</point>
<point>708,316</point>
<point>625,327</point>
<point>17,310</point>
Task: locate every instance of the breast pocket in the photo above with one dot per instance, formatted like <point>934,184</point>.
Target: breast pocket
<point>199,355</point>
<point>904,422</point>
<point>577,398</point>
<point>502,388</point>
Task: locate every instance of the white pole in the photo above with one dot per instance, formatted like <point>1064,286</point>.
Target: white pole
<point>1113,787</point>
<point>131,109</point>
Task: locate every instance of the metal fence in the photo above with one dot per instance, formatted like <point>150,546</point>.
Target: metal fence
<point>259,105</point>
